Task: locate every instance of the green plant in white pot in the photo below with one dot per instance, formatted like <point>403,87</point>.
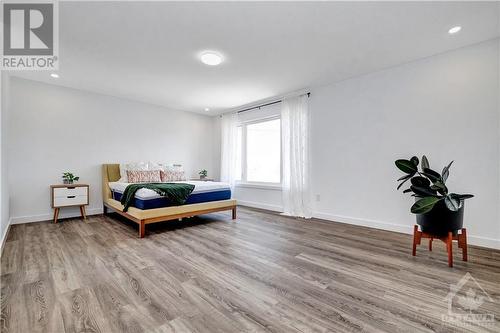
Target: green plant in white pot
<point>69,178</point>
<point>203,174</point>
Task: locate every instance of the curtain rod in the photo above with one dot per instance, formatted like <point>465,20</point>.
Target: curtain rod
<point>267,104</point>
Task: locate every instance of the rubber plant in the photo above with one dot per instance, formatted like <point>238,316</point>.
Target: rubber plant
<point>427,185</point>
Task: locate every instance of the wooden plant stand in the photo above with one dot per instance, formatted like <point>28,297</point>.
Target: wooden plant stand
<point>461,238</point>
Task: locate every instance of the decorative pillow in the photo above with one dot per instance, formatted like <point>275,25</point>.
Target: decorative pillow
<point>169,175</point>
<point>141,176</point>
<point>124,167</point>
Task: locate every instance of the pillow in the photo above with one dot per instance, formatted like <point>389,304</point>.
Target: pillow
<point>172,175</point>
<point>124,167</point>
<point>155,166</point>
<point>141,176</point>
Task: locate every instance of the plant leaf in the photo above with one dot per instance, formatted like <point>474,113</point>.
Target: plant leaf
<point>452,203</point>
<point>425,163</point>
<point>408,190</point>
<point>405,177</point>
<point>420,181</point>
<point>461,196</point>
<point>424,205</point>
<point>446,172</point>
<point>423,191</point>
<point>414,160</point>
<point>432,175</point>
<point>440,187</point>
<point>404,181</point>
<point>406,166</point>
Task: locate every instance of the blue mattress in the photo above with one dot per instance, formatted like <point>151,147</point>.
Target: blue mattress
<point>164,202</point>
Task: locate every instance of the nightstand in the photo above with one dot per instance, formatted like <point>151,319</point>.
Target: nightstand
<point>203,180</point>
<point>69,195</point>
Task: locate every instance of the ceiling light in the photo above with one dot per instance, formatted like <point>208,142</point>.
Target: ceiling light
<point>54,75</point>
<point>207,109</point>
<point>454,30</point>
<point>211,58</point>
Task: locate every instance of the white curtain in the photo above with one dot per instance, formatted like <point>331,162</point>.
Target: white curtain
<point>229,149</point>
<point>295,155</point>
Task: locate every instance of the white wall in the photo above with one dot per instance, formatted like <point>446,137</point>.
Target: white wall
<point>445,106</point>
<point>4,184</point>
<point>53,129</point>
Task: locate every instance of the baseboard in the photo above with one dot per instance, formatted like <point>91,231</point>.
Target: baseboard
<point>472,240</point>
<point>4,236</point>
<point>483,241</point>
<point>47,217</point>
<point>274,208</point>
<point>365,222</point>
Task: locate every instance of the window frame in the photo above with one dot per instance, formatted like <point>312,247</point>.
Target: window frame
<point>244,182</point>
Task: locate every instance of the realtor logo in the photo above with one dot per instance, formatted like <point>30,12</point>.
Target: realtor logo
<point>464,304</point>
<point>30,35</point>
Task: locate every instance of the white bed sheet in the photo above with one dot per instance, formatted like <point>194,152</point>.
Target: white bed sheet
<point>146,194</point>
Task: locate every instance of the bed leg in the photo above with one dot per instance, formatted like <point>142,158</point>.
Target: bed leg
<point>234,213</point>
<point>104,209</point>
<point>142,229</point>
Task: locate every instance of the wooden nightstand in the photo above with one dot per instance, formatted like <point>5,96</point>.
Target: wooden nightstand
<point>69,195</point>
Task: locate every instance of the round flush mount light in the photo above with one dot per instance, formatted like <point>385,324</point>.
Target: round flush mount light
<point>454,30</point>
<point>210,58</point>
<point>54,75</point>
<point>207,109</point>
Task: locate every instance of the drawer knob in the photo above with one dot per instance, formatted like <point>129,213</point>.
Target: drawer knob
<point>71,196</point>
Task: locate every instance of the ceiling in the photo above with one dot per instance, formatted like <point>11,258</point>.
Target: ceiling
<point>149,52</point>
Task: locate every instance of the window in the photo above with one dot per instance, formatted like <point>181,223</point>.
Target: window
<point>260,153</point>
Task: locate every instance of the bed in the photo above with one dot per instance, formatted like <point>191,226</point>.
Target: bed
<point>148,207</point>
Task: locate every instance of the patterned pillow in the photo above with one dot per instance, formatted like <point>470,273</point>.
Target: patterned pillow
<point>141,176</point>
<point>169,175</point>
<point>124,167</point>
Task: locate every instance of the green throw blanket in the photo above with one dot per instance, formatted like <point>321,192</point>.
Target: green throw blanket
<point>175,192</point>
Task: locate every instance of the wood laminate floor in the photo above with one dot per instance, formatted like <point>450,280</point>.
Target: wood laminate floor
<point>262,273</point>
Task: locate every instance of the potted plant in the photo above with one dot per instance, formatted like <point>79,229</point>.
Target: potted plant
<point>438,211</point>
<point>203,174</point>
<point>69,178</point>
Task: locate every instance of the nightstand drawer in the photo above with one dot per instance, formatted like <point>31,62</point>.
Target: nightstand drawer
<point>70,200</point>
<point>63,192</point>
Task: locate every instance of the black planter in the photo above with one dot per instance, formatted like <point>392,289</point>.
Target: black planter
<point>440,220</point>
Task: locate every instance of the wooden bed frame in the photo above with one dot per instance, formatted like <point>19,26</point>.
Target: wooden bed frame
<point>111,173</point>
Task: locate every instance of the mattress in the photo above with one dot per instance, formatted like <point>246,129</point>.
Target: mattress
<point>149,199</point>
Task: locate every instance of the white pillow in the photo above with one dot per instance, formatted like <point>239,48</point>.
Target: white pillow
<point>177,170</point>
<point>177,167</point>
<point>133,166</point>
<point>165,166</point>
<point>153,166</point>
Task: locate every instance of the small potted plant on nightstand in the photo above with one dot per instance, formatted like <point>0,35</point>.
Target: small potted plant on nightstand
<point>69,178</point>
<point>203,174</point>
